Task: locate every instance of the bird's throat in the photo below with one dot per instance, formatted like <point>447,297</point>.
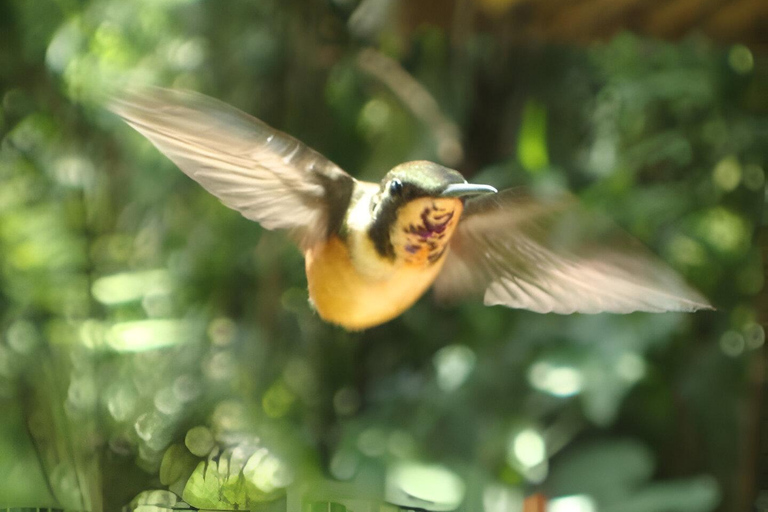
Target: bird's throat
<point>422,230</point>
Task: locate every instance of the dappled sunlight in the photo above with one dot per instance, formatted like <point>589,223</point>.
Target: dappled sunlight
<point>158,351</point>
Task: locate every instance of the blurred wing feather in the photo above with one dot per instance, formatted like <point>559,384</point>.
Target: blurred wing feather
<point>554,256</point>
<point>266,175</point>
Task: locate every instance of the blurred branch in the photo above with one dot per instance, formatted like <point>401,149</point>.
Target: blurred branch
<point>418,100</point>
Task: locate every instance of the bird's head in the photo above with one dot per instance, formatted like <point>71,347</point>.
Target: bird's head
<point>416,210</point>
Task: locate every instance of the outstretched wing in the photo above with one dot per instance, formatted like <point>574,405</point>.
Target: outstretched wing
<point>554,256</point>
<point>265,174</point>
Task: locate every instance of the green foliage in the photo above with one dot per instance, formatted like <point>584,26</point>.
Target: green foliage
<point>157,350</point>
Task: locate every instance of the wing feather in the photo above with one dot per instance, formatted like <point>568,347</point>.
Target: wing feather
<point>554,256</point>
<point>266,175</point>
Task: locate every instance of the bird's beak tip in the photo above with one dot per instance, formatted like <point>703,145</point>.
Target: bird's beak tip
<point>467,189</point>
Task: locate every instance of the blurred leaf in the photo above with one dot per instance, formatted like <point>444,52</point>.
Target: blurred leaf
<point>204,489</point>
<point>606,470</point>
<point>693,495</point>
<point>532,141</point>
<point>177,465</point>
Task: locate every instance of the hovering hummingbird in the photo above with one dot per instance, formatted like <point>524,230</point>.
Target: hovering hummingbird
<point>372,249</point>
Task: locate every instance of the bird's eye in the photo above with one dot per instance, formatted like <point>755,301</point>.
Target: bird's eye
<point>395,187</point>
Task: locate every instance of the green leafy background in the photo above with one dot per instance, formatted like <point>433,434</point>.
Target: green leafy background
<point>158,351</point>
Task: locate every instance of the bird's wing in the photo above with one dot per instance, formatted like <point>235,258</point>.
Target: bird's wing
<point>555,256</point>
<point>265,174</point>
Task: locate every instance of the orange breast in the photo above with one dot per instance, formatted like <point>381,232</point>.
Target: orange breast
<point>343,296</point>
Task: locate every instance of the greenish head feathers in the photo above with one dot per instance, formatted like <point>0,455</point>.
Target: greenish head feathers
<point>419,179</point>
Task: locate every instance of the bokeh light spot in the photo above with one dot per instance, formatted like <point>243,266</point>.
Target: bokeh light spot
<point>166,402</point>
<point>22,337</point>
<point>732,343</point>
<point>267,472</point>
<point>121,400</point>
<point>344,464</point>
<point>221,331</point>
<point>413,484</point>
<point>64,45</point>
<point>726,231</point>
<point>727,174</point>
<point>74,171</point>
<point>277,400</point>
<point>454,364</point>
<point>147,425</point>
<point>560,381</point>
<point>500,498</point>
<point>144,335</point>
<point>130,286</point>
<point>630,367</point>
<point>741,59</point>
<point>187,387</point>
<point>374,117</point>
<point>754,335</point>
<point>372,442</point>
<point>528,448</point>
<point>576,503</point>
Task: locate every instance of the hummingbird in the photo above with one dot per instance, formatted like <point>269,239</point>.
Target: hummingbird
<point>372,249</point>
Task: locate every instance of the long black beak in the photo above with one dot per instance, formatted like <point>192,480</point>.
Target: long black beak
<point>467,189</point>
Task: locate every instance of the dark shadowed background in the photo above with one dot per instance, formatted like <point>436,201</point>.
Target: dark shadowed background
<point>157,347</point>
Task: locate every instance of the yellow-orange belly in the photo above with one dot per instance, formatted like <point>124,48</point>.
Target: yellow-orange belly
<point>343,296</point>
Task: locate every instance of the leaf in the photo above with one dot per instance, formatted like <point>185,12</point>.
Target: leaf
<point>693,495</point>
<point>202,489</point>
<point>178,464</point>
<point>605,470</point>
<point>154,500</point>
<point>199,441</point>
<point>266,476</point>
<point>212,486</point>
